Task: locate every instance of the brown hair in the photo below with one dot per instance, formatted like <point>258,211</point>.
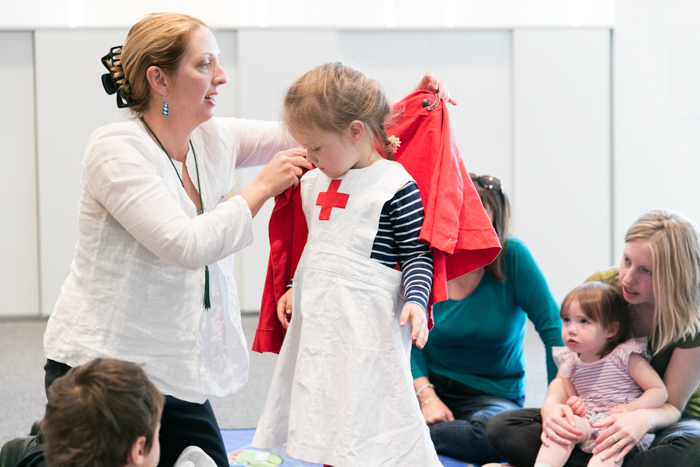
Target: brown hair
<point>160,39</point>
<point>675,251</point>
<point>602,304</point>
<point>497,201</point>
<point>333,95</point>
<point>97,411</point>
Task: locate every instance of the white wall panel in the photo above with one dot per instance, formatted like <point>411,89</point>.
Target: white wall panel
<point>561,201</point>
<point>227,100</point>
<point>475,64</point>
<point>657,111</point>
<point>19,274</point>
<point>71,104</point>
<point>316,13</point>
<point>268,62</point>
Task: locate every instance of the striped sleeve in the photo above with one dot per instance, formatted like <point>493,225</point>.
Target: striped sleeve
<point>397,243</point>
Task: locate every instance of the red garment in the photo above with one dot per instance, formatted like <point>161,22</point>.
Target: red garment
<point>288,232</point>
<point>456,226</point>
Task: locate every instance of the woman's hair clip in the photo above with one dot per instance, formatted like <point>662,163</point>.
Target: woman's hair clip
<point>110,83</point>
<point>394,143</point>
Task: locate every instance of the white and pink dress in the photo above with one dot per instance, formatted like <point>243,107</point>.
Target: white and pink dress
<point>603,384</point>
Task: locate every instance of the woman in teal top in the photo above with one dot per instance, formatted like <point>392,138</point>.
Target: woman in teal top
<point>473,365</point>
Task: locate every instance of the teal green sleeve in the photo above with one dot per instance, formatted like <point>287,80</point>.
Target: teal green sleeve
<point>533,296</point>
<point>419,365</point>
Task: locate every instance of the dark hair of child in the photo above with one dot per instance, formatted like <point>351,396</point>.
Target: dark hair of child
<point>602,304</point>
<point>97,411</point>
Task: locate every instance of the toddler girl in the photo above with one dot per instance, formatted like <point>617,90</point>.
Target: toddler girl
<point>603,372</point>
<point>342,390</point>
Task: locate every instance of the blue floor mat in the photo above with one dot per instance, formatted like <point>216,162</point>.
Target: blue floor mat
<point>240,452</point>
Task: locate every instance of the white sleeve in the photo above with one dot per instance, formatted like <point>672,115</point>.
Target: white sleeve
<point>118,175</point>
<point>257,140</point>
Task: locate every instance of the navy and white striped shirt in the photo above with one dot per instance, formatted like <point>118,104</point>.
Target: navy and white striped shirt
<point>397,243</point>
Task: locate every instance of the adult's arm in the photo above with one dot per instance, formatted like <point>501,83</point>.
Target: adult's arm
<point>681,378</point>
<point>253,143</point>
<point>118,175</point>
<point>533,296</point>
<point>256,141</point>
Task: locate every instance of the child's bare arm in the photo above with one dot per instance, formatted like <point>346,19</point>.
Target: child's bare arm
<point>573,401</point>
<point>655,393</point>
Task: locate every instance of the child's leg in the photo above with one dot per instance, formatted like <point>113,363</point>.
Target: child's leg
<point>596,462</point>
<point>557,454</point>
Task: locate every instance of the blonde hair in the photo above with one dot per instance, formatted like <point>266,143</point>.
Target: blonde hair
<point>160,39</point>
<point>601,303</point>
<point>333,95</point>
<point>675,251</point>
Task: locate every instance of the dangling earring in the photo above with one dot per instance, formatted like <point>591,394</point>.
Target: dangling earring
<point>165,108</point>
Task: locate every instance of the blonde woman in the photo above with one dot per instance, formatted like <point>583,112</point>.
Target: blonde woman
<point>152,279</point>
<point>659,277</point>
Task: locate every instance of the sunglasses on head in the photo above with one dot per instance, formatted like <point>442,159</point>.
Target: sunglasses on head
<point>487,181</point>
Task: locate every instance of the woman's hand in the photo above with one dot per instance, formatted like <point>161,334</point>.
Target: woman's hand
<point>432,84</point>
<point>435,411</point>
<point>419,322</point>
<point>558,423</point>
<point>283,171</point>
<point>284,308</point>
<point>623,432</point>
<point>577,406</point>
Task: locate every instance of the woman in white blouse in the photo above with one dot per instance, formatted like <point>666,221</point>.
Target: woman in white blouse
<point>138,281</point>
<point>152,277</point>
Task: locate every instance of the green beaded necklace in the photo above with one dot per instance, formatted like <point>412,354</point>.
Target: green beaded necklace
<point>207,302</point>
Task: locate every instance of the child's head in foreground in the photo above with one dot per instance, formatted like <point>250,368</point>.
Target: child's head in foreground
<point>338,115</point>
<point>595,320</point>
<point>104,413</point>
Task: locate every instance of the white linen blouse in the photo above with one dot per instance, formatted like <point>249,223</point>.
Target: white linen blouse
<point>136,287</point>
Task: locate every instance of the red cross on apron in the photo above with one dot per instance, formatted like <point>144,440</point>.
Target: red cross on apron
<point>331,199</point>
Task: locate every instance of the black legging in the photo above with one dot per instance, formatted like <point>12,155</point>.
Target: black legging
<point>515,435</point>
<point>183,424</point>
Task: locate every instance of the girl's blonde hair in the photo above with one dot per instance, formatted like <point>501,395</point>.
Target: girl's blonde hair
<point>333,95</point>
<point>601,303</point>
<point>675,251</point>
<point>160,39</point>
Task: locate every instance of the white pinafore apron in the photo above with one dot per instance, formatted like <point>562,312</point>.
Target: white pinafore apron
<point>342,391</point>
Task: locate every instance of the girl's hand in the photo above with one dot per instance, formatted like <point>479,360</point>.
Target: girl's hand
<point>436,411</point>
<point>284,308</point>
<point>620,408</point>
<point>414,312</point>
<point>558,424</point>
<point>577,406</point>
<point>432,84</point>
<point>623,432</point>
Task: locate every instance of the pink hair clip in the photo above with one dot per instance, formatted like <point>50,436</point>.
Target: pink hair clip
<point>394,143</point>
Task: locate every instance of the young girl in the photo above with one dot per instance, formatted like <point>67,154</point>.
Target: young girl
<point>342,390</point>
<point>602,371</point>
